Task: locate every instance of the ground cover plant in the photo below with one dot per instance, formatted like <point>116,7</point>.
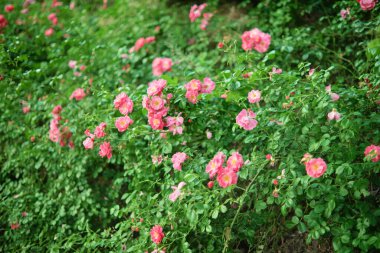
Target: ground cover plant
<point>184,126</point>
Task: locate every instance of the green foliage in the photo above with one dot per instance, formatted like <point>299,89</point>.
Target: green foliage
<point>77,201</point>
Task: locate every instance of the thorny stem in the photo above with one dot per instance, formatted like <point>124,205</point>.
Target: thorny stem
<point>238,211</point>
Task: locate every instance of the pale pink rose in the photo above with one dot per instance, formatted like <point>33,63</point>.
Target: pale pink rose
<point>88,143</point>
<point>177,191</point>
<point>316,167</point>
<point>99,130</point>
<point>177,160</point>
<point>72,64</point>
<point>333,115</point>
<point>311,71</point>
<point>169,96</point>
<point>254,96</point>
<point>235,161</point>
<point>207,86</point>
<point>334,96</point>
<point>49,32</point>
<point>227,177</point>
<point>373,152</point>
<point>255,39</point>
<point>224,96</point>
<point>122,123</point>
<point>105,149</point>
<point>367,5</point>
<point>194,85</point>
<point>344,13</point>
<point>156,122</point>
<point>156,87</point>
<point>156,234</point>
<point>246,119</point>
<point>328,88</point>
<point>208,134</point>
<point>192,96</point>
<point>78,94</point>
<point>123,103</point>
<point>156,103</point>
<point>196,11</point>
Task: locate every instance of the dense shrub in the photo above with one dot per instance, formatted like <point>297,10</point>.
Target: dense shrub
<point>307,178</point>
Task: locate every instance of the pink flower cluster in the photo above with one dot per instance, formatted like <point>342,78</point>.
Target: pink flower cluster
<point>206,17</point>
<point>344,13</point>
<point>256,39</point>
<point>155,104</point>
<point>196,11</point>
<point>161,65</point>
<point>78,94</point>
<point>246,119</point>
<point>373,153</point>
<point>125,106</point>
<point>367,5</point>
<point>61,136</point>
<point>196,87</point>
<point>226,176</point>
<point>53,19</point>
<point>177,160</point>
<point>157,234</point>
<point>105,148</point>
<point>141,42</point>
<point>176,191</point>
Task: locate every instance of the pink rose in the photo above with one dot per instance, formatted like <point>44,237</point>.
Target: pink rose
<point>177,191</point>
<point>78,94</point>
<point>105,149</point>
<point>316,167</point>
<point>255,39</point>
<point>367,5</point>
<point>373,152</point>
<point>246,119</point>
<point>122,123</point>
<point>156,234</point>
<point>254,96</point>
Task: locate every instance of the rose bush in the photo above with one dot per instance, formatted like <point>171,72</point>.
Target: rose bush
<point>190,128</point>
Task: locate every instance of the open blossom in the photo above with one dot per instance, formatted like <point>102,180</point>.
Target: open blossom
<point>156,87</point>
<point>207,86</point>
<point>99,130</point>
<point>315,167</point>
<point>175,124</point>
<point>196,11</point>
<point>105,149</point>
<point>226,177</point>
<point>367,5</point>
<point>156,234</point>
<point>333,115</point>
<point>122,123</point>
<point>177,191</point>
<point>123,103</point>
<point>72,64</point>
<point>373,152</point>
<point>177,160</point>
<point>235,161</point>
<point>255,39</point>
<point>88,143</point>
<point>78,94</point>
<point>254,96</point>
<point>246,119</point>
<point>215,165</point>
<point>161,65</point>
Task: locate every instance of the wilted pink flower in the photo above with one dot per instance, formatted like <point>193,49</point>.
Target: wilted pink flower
<point>227,177</point>
<point>275,193</point>
<point>306,157</point>
<point>15,226</point>
<point>196,11</point>
<point>208,134</point>
<point>246,119</point>
<point>215,165</point>
<point>204,22</point>
<point>57,109</point>
<point>32,139</point>
<point>334,96</point>
<point>235,161</point>
<point>328,88</point>
<point>122,123</point>
<point>156,234</point>
<point>210,184</point>
<point>161,65</point>
<point>177,191</point>
<point>105,149</point>
<point>157,159</point>
<point>274,71</point>
<point>24,214</point>
<point>373,152</point>
<point>367,5</point>
<point>177,160</point>
<point>99,130</point>
<point>49,32</point>
<point>78,94</point>
<point>255,39</point>
<point>9,8</point>
<point>254,96</point>
<point>333,115</point>
<point>316,167</point>
<point>88,143</point>
<point>345,12</point>
<point>207,86</point>
<point>247,75</point>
